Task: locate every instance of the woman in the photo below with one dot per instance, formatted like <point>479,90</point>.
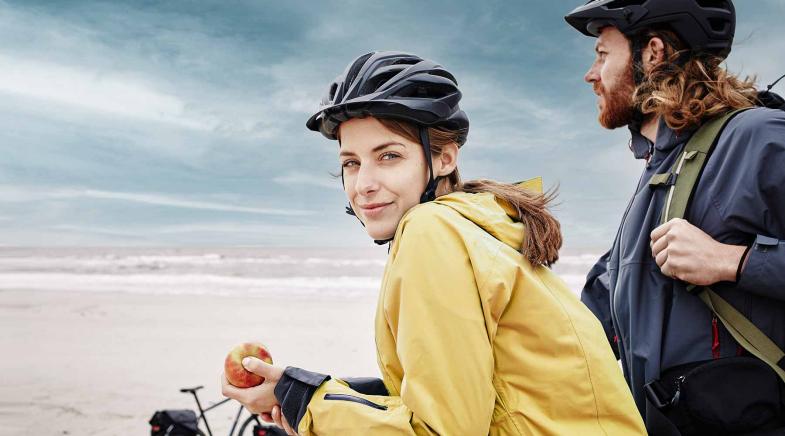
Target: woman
<point>474,334</point>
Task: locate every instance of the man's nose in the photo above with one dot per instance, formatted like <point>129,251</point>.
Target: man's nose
<point>592,75</point>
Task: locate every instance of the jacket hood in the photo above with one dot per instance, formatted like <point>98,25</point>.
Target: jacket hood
<point>494,215</point>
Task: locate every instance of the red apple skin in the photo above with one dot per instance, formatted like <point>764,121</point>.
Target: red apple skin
<point>236,374</point>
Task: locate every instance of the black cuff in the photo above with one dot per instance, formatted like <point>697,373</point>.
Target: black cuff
<point>367,385</point>
<point>294,391</point>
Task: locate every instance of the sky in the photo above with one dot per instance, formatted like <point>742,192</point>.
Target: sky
<point>182,123</point>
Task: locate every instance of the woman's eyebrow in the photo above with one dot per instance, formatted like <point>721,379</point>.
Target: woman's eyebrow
<point>374,150</point>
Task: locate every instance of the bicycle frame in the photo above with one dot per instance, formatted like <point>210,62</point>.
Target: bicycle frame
<point>202,411</point>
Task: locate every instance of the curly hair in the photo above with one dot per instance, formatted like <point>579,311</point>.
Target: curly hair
<point>688,89</point>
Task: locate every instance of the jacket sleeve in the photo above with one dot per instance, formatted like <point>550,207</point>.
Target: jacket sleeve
<point>433,312</point>
<point>596,296</point>
<point>762,200</point>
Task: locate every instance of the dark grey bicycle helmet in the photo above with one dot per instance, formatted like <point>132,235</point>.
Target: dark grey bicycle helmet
<point>389,84</point>
<point>704,25</point>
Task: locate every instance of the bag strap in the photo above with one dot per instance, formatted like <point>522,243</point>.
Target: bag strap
<point>744,331</point>
<point>689,167</point>
<point>682,179</point>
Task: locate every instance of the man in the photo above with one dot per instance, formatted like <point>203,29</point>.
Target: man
<point>658,71</point>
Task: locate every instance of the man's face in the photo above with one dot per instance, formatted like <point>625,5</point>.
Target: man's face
<point>611,78</point>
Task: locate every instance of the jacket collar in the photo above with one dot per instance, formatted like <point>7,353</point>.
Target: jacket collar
<point>667,139</point>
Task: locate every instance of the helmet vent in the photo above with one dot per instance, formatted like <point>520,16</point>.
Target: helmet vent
<point>373,83</point>
<point>355,69</point>
<point>720,4</point>
<point>443,73</point>
<point>719,24</point>
<point>429,91</point>
<point>618,4</point>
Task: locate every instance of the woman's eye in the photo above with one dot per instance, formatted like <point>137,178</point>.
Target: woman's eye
<point>389,156</point>
<point>349,164</point>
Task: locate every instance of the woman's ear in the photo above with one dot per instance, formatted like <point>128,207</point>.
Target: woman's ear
<point>653,53</point>
<point>445,163</point>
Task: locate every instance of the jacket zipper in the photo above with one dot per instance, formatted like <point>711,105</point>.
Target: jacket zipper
<point>352,398</point>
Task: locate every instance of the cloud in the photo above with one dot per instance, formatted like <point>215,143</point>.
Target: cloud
<point>15,194</point>
<point>92,90</point>
<point>301,178</point>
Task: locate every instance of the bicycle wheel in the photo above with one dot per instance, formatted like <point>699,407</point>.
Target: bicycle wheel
<point>247,429</point>
<point>248,425</point>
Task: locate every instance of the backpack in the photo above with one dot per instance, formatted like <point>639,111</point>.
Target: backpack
<point>174,423</point>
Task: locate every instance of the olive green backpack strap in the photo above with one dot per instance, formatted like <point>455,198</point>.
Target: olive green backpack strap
<point>682,179</point>
<point>684,176</point>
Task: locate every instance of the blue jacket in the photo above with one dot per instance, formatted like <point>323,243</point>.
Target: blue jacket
<point>740,200</point>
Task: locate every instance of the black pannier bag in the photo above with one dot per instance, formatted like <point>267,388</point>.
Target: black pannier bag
<point>174,423</point>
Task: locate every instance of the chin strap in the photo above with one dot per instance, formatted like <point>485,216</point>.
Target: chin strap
<point>637,75</point>
<point>430,188</point>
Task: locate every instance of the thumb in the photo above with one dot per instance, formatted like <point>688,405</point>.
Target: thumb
<point>257,366</point>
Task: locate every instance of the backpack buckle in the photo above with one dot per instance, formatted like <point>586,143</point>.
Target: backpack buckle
<point>664,179</point>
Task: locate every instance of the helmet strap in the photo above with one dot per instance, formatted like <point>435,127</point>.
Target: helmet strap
<point>349,210</point>
<point>637,73</point>
<point>430,188</point>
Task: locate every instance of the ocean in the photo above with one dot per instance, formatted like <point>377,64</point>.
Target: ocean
<point>279,272</point>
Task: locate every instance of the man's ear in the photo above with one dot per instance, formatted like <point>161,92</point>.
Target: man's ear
<point>447,161</point>
<point>653,53</point>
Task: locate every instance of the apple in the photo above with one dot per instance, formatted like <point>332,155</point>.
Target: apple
<point>236,374</point>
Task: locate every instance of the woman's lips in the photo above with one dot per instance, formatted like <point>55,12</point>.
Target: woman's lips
<point>374,210</point>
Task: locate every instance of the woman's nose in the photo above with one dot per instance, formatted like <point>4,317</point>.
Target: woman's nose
<point>367,180</point>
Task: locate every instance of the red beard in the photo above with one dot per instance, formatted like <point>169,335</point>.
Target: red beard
<point>618,109</point>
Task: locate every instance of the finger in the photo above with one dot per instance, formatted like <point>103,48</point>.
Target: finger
<point>287,427</point>
<point>276,413</point>
<point>661,258</point>
<point>259,367</point>
<point>660,231</point>
<point>659,245</point>
<point>230,391</point>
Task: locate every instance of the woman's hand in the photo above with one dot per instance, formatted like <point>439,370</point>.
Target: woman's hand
<point>258,399</point>
<point>281,421</point>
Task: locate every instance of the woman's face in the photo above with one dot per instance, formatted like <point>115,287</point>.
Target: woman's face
<point>384,174</point>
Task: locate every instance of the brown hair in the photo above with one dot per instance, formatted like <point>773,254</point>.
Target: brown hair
<point>543,233</point>
<point>687,89</point>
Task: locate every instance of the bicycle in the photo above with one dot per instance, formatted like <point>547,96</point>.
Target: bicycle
<point>246,429</point>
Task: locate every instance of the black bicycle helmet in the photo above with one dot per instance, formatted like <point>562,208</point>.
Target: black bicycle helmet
<point>389,84</point>
<point>704,25</point>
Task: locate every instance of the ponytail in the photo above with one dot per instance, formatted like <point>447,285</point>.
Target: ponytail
<point>543,238</point>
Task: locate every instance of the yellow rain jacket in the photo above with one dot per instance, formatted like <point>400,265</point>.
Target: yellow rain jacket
<point>473,340</point>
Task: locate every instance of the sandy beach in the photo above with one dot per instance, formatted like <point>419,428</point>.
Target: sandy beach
<point>77,363</point>
<point>94,340</point>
